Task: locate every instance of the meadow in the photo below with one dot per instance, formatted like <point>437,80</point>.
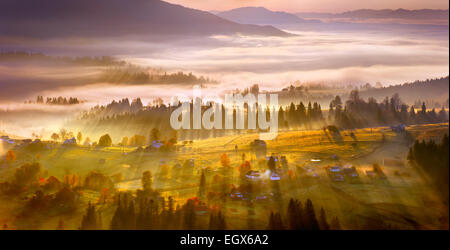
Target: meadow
<point>404,199</point>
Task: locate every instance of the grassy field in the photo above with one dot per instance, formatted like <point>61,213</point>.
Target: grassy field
<point>402,200</point>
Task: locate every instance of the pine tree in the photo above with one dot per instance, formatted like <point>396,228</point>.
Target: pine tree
<point>189,215</point>
<point>202,186</point>
<point>275,222</point>
<point>323,220</point>
<point>60,225</point>
<point>335,225</point>
<point>89,221</point>
<point>217,221</point>
<point>292,215</point>
<point>147,181</point>
<point>131,217</point>
<point>310,220</point>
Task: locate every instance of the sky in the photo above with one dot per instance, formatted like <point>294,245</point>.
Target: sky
<point>313,5</point>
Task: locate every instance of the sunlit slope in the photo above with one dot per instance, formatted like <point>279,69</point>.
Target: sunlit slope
<point>404,199</point>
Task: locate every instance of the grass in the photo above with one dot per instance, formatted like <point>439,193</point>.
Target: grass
<point>403,200</point>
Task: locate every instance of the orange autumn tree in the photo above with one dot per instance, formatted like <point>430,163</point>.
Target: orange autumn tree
<point>224,160</point>
<point>244,167</point>
<point>10,156</point>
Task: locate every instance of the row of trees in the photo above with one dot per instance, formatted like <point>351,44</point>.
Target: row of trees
<point>64,135</point>
<point>81,60</point>
<point>432,159</point>
<point>391,111</point>
<point>302,217</point>
<point>57,100</point>
<point>139,75</point>
<point>298,116</point>
<point>106,141</point>
<point>353,113</point>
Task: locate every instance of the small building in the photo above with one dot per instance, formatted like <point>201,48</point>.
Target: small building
<point>69,142</point>
<point>350,171</point>
<point>236,195</point>
<point>337,177</point>
<point>261,197</point>
<point>274,177</point>
<point>311,173</point>
<point>335,173</point>
<point>6,139</point>
<point>335,169</point>
<point>398,128</point>
<point>156,144</point>
<point>253,175</point>
<point>27,141</point>
<point>259,147</point>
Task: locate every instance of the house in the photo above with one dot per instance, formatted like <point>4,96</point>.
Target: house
<point>337,177</point>
<point>398,128</point>
<point>261,197</point>
<point>350,171</point>
<point>69,142</point>
<point>259,147</point>
<point>259,143</point>
<point>236,195</point>
<point>6,139</point>
<point>254,175</point>
<point>156,144</point>
<point>27,141</point>
<point>336,173</point>
<point>310,172</point>
<point>335,169</point>
<point>274,177</point>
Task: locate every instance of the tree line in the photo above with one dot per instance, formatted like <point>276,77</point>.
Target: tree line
<point>56,100</point>
<point>353,113</point>
<point>432,159</point>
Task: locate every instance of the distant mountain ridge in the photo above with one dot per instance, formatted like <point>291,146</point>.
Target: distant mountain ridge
<point>87,18</point>
<point>399,20</point>
<point>431,89</point>
<point>260,15</point>
<point>385,13</point>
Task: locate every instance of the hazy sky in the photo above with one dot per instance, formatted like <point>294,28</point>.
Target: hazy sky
<point>313,5</point>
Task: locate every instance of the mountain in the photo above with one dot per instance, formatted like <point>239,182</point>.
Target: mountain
<point>260,15</point>
<point>99,18</point>
<point>431,90</point>
<point>422,14</point>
